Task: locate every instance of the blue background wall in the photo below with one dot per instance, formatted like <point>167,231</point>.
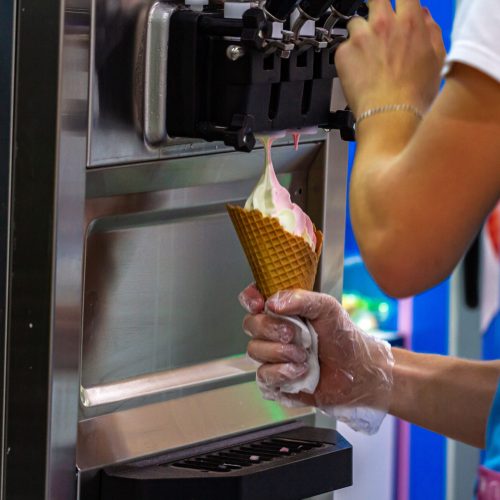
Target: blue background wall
<point>427,449</point>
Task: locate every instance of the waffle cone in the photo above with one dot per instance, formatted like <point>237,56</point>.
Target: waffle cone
<point>279,259</point>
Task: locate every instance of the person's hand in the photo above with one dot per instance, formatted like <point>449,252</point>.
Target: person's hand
<point>251,299</point>
<point>355,368</point>
<point>395,57</point>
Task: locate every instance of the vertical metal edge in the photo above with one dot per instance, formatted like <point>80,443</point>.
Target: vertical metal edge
<point>45,254</point>
<point>332,266</point>
<point>92,77</point>
<point>334,206</point>
<point>7,72</point>
<point>67,278</point>
<point>30,262</point>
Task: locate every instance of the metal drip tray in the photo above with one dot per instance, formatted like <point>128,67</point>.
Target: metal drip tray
<point>248,455</point>
<point>289,465</point>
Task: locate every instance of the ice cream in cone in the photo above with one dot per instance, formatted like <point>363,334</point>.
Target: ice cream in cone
<point>281,244</point>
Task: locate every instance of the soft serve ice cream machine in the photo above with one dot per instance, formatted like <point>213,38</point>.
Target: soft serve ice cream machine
<point>130,125</point>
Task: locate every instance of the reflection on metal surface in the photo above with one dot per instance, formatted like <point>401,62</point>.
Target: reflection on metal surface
<point>218,167</point>
<point>67,276</point>
<point>155,72</point>
<point>113,136</point>
<point>166,381</point>
<point>333,187</point>
<point>126,435</point>
<point>162,311</point>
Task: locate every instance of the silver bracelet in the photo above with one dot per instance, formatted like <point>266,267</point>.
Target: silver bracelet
<point>389,108</point>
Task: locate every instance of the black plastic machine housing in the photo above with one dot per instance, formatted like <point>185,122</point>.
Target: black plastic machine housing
<point>213,96</point>
<point>287,465</point>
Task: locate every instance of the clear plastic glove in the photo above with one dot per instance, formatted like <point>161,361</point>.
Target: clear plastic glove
<point>355,368</point>
<point>395,57</point>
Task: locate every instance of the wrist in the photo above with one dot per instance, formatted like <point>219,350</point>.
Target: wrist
<point>413,374</point>
<point>386,133</point>
<point>404,384</point>
<point>374,371</point>
<point>383,368</point>
<point>389,108</point>
<point>395,96</point>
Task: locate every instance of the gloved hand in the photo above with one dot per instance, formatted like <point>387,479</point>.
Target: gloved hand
<point>355,368</point>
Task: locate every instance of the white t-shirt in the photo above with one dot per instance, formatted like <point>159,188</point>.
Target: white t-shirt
<point>475,40</point>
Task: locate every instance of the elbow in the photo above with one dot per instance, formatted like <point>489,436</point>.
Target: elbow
<point>402,271</point>
<point>394,280</point>
<point>393,284</point>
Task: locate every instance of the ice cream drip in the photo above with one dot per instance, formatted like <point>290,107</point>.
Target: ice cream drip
<point>303,131</point>
<point>273,200</point>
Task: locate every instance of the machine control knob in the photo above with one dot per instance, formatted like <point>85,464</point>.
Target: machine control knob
<point>235,52</point>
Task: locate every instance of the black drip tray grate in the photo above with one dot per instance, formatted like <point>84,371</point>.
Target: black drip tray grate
<point>240,457</point>
<point>290,464</point>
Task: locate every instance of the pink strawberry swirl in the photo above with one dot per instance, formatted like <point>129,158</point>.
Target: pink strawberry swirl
<point>273,200</point>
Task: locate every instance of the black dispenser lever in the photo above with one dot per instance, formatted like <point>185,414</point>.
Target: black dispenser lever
<point>342,10</point>
<point>347,8</point>
<point>279,10</point>
<point>314,9</point>
<point>309,10</point>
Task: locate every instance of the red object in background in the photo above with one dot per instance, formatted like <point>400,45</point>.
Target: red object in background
<point>488,487</point>
<point>493,229</point>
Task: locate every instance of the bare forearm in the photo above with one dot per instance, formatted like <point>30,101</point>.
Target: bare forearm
<point>376,203</point>
<point>447,395</point>
<point>381,140</point>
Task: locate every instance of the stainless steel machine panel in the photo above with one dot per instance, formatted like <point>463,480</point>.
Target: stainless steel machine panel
<point>162,310</point>
<point>176,424</point>
<point>163,268</point>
